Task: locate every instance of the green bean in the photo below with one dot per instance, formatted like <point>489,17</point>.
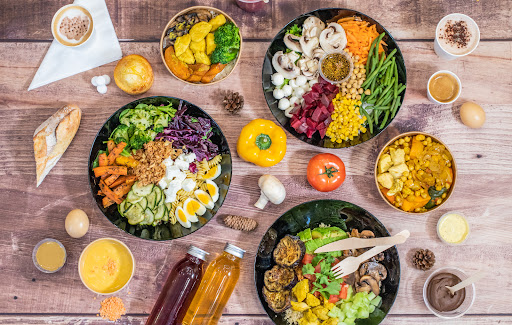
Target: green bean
<point>383,97</point>
<point>384,120</point>
<point>394,109</point>
<point>381,36</point>
<point>370,53</point>
<point>368,118</point>
<point>388,100</point>
<point>376,92</point>
<point>396,81</point>
<point>390,56</point>
<point>400,89</point>
<point>374,73</point>
<point>372,85</point>
<point>381,108</point>
<point>376,114</point>
<point>371,101</point>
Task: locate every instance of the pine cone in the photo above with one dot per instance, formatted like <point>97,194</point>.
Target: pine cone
<point>240,223</point>
<point>233,101</point>
<point>424,259</point>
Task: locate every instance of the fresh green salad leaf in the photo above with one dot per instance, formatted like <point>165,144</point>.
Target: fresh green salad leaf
<point>96,163</point>
<point>294,30</point>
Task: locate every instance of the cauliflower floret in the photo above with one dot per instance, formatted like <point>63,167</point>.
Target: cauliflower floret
<point>398,185</point>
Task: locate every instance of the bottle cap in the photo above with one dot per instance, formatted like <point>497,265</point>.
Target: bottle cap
<point>197,252</point>
<point>233,250</point>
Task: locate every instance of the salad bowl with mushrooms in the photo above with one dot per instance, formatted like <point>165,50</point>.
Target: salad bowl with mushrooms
<point>295,284</point>
<point>334,77</point>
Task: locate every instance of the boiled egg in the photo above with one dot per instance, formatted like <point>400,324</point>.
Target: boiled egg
<point>472,115</point>
<point>193,207</point>
<point>213,190</point>
<point>182,217</point>
<point>204,198</point>
<point>77,223</point>
<point>213,173</point>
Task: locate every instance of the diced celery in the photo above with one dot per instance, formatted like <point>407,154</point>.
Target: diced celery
<point>376,301</point>
<point>350,321</point>
<point>350,293</point>
<point>371,295</point>
<point>372,308</point>
<point>363,312</point>
<point>335,312</point>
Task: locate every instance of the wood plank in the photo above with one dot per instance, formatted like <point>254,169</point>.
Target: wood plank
<point>144,21</point>
<point>247,320</point>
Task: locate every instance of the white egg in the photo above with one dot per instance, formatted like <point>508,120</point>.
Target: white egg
<point>301,80</point>
<point>100,81</point>
<point>204,198</point>
<point>278,93</point>
<point>277,79</point>
<point>298,92</point>
<point>283,104</point>
<point>213,173</point>
<point>182,217</point>
<point>107,79</point>
<point>190,206</point>
<point>213,190</point>
<point>102,89</point>
<point>287,90</point>
<point>93,81</point>
<point>292,83</point>
<point>293,101</point>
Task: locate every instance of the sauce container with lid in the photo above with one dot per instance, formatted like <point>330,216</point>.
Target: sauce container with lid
<point>455,229</point>
<point>345,56</point>
<point>466,304</point>
<point>49,255</point>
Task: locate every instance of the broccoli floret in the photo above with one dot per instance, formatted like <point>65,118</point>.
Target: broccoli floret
<point>120,134</point>
<point>140,137</point>
<point>223,55</point>
<point>227,41</point>
<point>140,118</point>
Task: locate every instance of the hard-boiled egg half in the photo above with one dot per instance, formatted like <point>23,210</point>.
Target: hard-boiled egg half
<point>204,198</point>
<point>213,173</point>
<point>193,207</point>
<point>213,190</point>
<point>181,216</point>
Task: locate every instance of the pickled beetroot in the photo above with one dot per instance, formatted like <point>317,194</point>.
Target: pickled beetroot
<point>314,114</point>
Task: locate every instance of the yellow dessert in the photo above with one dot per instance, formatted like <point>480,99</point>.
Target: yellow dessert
<point>453,228</point>
<point>50,256</point>
<point>106,266</point>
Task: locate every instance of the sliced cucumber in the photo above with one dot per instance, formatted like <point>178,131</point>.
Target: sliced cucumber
<point>142,190</point>
<point>120,208</point>
<point>133,198</point>
<point>159,196</point>
<point>165,218</point>
<point>160,211</point>
<point>149,217</point>
<point>134,214</point>
<point>143,203</point>
<point>152,199</point>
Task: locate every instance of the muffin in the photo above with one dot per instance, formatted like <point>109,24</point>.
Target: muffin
<point>133,74</point>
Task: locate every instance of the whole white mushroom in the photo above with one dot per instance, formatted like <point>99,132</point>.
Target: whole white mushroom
<point>287,90</point>
<point>271,190</point>
<point>284,103</point>
<point>301,80</point>
<point>278,93</point>
<point>93,81</point>
<point>277,79</point>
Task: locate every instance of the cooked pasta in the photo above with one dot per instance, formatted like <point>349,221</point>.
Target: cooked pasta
<point>214,161</point>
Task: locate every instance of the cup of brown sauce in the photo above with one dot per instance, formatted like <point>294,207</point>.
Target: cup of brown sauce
<point>440,301</point>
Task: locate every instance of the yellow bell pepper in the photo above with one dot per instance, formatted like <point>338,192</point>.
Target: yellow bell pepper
<point>262,142</point>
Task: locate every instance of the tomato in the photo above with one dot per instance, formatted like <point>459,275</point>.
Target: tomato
<point>343,291</point>
<point>333,299</point>
<point>318,268</point>
<point>326,172</point>
<point>336,261</point>
<point>310,277</point>
<point>308,258</point>
<point>316,294</point>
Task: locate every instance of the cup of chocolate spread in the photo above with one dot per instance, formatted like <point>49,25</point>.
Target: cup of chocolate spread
<point>440,301</point>
<point>72,25</point>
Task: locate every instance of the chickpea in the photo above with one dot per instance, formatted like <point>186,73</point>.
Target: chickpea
<point>420,137</point>
<point>407,150</point>
<point>353,77</point>
<point>424,195</point>
<point>356,58</point>
<point>427,163</point>
<point>443,196</point>
<point>449,164</point>
<point>403,178</point>
<point>343,90</point>
<point>396,143</point>
<point>363,70</point>
<point>425,142</point>
<point>447,186</point>
<point>349,85</point>
<point>367,92</point>
<point>409,177</point>
<point>356,69</point>
<point>407,139</point>
<point>359,75</point>
<point>429,139</point>
<point>353,91</point>
<point>344,83</point>
<point>417,210</point>
<point>401,141</point>
<point>360,90</point>
<point>438,188</point>
<point>439,201</point>
<point>358,97</point>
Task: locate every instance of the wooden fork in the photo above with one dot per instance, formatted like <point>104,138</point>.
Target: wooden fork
<point>350,264</point>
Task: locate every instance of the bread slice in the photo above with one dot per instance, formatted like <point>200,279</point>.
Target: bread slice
<point>53,137</point>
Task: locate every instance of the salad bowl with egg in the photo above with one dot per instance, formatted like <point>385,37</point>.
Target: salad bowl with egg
<point>160,168</point>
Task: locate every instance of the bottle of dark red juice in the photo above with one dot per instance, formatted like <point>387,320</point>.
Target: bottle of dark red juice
<point>179,288</point>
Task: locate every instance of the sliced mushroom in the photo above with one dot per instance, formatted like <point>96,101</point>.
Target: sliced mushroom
<point>378,258</point>
<point>318,53</point>
<point>333,38</point>
<point>308,44</point>
<point>309,67</point>
<point>312,27</point>
<point>285,65</point>
<point>203,14</point>
<point>292,42</point>
<point>373,269</point>
<point>367,284</point>
<point>354,233</point>
<point>366,234</point>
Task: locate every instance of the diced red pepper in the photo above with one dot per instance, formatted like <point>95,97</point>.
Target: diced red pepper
<point>343,291</point>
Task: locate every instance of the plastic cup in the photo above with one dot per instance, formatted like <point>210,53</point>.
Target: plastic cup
<point>429,95</point>
<point>444,53</point>
<point>61,13</point>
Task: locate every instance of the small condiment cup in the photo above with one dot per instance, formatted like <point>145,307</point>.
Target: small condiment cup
<point>34,253</point>
<point>444,54</point>
<point>429,95</point>
<point>349,60</point>
<point>441,220</point>
<point>57,17</point>
<point>466,304</point>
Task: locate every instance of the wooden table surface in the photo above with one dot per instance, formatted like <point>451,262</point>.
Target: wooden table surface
<point>29,214</point>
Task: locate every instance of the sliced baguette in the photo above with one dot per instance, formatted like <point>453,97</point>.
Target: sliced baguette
<point>53,137</point>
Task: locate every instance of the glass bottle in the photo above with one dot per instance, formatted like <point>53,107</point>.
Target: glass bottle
<point>215,289</point>
<point>179,288</point>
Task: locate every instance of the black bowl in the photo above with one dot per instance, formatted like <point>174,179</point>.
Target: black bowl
<point>167,231</point>
<point>335,213</point>
<point>326,15</point>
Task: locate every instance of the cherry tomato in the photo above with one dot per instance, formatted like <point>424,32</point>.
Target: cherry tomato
<point>333,299</point>
<point>310,277</point>
<point>326,172</point>
<point>343,291</point>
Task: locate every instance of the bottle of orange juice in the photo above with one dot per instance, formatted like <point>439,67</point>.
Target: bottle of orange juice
<point>215,289</point>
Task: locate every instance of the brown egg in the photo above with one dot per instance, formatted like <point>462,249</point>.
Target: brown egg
<point>472,115</point>
<point>77,223</point>
<point>133,74</point>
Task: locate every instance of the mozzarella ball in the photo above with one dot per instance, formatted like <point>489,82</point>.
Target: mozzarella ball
<point>284,103</point>
<point>301,80</point>
<point>287,90</point>
<point>93,81</point>
<point>292,83</point>
<point>102,89</point>
<point>298,92</point>
<point>107,79</point>
<point>293,100</point>
<point>277,79</point>
<point>312,82</point>
<point>100,81</point>
<point>278,93</point>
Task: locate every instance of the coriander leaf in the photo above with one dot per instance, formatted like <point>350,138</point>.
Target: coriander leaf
<point>325,267</point>
<point>308,269</point>
<point>295,30</point>
<point>317,259</point>
<point>333,288</point>
<point>321,278</point>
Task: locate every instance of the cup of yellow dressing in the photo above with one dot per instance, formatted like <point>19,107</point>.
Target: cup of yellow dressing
<point>106,266</point>
<point>49,255</point>
<point>453,228</point>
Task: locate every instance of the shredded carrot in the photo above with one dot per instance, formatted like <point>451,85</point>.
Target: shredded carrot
<point>360,37</point>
